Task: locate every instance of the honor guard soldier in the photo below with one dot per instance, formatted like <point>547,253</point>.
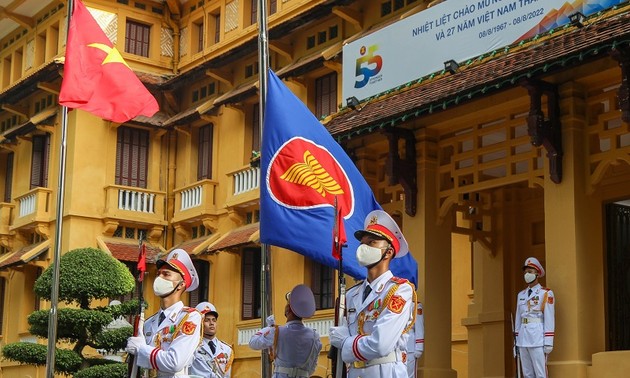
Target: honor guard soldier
<point>213,358</point>
<point>415,344</point>
<point>172,335</point>
<point>294,347</point>
<point>381,310</point>
<point>534,323</point>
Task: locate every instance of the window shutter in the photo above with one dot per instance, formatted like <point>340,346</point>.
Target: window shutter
<point>204,159</point>
<point>326,95</point>
<point>132,156</point>
<point>8,180</point>
<point>248,285</point>
<point>256,128</point>
<point>250,275</point>
<point>39,161</point>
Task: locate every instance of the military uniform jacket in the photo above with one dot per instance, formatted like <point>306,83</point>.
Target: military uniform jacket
<point>378,327</point>
<point>213,365</point>
<point>293,345</point>
<point>171,345</point>
<point>534,323</point>
<point>416,334</point>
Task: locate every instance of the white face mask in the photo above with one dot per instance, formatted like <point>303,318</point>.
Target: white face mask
<point>367,255</point>
<point>530,277</point>
<point>163,287</point>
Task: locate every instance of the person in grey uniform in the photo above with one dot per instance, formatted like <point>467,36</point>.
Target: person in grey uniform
<point>294,347</point>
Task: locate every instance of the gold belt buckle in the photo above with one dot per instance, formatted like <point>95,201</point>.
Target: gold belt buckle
<point>525,321</point>
<point>358,364</point>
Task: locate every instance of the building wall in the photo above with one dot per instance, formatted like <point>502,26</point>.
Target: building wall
<point>475,157</point>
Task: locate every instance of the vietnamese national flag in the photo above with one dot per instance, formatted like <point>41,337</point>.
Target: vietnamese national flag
<point>95,76</point>
<point>303,170</point>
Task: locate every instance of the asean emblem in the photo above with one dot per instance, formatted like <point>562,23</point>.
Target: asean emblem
<point>303,175</point>
<point>396,304</point>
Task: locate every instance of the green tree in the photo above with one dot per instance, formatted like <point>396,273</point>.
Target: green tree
<point>85,274</point>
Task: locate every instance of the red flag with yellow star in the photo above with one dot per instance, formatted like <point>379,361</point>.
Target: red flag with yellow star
<point>96,78</point>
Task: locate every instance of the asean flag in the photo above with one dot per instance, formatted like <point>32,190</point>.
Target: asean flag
<point>96,78</point>
<point>303,170</point>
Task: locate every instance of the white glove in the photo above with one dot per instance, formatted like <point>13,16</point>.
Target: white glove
<point>270,321</point>
<point>514,351</point>
<point>135,343</point>
<point>417,354</point>
<point>547,349</point>
<point>338,335</point>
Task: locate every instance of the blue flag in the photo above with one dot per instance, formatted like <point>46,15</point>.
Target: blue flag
<point>303,170</point>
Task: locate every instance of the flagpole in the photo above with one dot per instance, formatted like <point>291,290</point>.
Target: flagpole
<point>61,188</point>
<point>265,251</point>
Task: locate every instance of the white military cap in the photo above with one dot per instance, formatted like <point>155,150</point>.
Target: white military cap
<point>302,301</point>
<point>179,261</point>
<point>533,262</point>
<point>380,224</point>
<point>207,307</point>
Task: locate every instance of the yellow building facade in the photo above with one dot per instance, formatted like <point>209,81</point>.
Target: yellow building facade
<point>450,156</point>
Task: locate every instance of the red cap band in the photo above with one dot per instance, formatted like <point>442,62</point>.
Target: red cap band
<point>182,270</point>
<point>386,233</point>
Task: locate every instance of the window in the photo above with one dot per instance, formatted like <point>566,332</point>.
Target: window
<point>217,28</point>
<point>250,276</point>
<point>199,32</point>
<point>271,9</point>
<point>132,155</point>
<point>326,95</point>
<point>2,290</point>
<point>390,6</point>
<point>8,179</point>
<point>256,128</point>
<point>204,163</point>
<point>323,285</point>
<point>137,38</point>
<point>39,161</point>
<point>201,293</point>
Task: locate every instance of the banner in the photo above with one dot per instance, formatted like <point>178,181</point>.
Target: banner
<point>453,30</point>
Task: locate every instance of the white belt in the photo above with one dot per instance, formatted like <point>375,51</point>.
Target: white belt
<point>291,372</point>
<point>531,320</point>
<point>392,357</point>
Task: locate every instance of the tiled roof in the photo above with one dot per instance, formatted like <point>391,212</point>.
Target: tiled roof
<point>23,254</point>
<point>571,46</point>
<point>129,252</point>
<point>235,238</point>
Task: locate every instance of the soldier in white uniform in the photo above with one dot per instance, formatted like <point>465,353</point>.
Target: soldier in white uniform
<point>171,336</point>
<point>415,344</point>
<point>534,328</point>
<point>381,310</point>
<point>213,358</point>
<point>294,347</point>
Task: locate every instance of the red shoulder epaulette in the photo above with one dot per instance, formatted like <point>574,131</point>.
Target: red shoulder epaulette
<point>399,280</point>
<point>189,309</point>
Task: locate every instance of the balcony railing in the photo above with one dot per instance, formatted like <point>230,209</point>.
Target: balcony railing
<point>246,180</point>
<point>33,206</point>
<point>195,200</point>
<point>136,204</point>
